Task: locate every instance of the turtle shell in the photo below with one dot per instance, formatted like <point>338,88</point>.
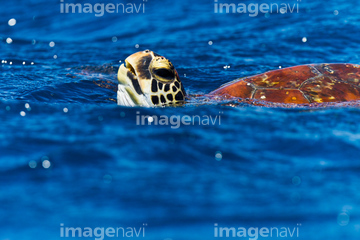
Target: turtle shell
<point>315,83</point>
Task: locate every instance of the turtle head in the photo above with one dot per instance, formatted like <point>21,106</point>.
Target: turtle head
<point>148,79</point>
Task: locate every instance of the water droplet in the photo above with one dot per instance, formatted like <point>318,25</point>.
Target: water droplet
<point>9,40</point>
<point>23,114</point>
<point>304,39</point>
<point>52,44</point>
<point>296,180</point>
<point>107,178</point>
<point>137,46</point>
<point>23,63</point>
<point>218,156</point>
<point>279,66</point>
<point>27,105</point>
<point>150,119</point>
<point>8,108</point>
<point>33,42</point>
<point>282,10</point>
<point>65,110</point>
<point>12,22</point>
<point>336,12</point>
<point>32,63</point>
<point>55,56</point>
<point>262,97</point>
<point>184,75</point>
<point>32,164</point>
<point>10,63</point>
<point>114,39</point>
<point>210,43</point>
<point>343,219</point>
<point>293,98</point>
<point>46,164</point>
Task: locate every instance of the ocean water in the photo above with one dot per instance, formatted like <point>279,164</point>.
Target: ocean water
<point>70,157</point>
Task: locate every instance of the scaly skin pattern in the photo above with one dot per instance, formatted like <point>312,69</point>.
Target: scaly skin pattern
<point>306,84</point>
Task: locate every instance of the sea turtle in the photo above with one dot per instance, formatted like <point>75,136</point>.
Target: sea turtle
<point>148,79</point>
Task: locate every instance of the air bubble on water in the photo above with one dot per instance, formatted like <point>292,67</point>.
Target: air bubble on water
<point>23,63</point>
<point>10,63</point>
<point>282,10</point>
<point>33,42</point>
<point>32,164</point>
<point>137,46</point>
<point>52,44</point>
<point>27,105</point>
<point>262,97</point>
<point>9,40</point>
<point>114,39</point>
<point>218,156</point>
<point>150,119</point>
<point>55,56</point>
<point>23,114</point>
<point>107,178</point>
<point>46,164</point>
<point>65,110</point>
<point>343,219</point>
<point>336,12</point>
<point>3,61</point>
<point>32,63</point>
<point>279,66</point>
<point>296,180</point>
<point>12,22</point>
<point>210,43</point>
<point>120,61</point>
<point>226,67</point>
<point>184,75</point>
<point>304,39</point>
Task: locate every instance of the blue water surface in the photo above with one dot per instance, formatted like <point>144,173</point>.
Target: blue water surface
<point>69,155</point>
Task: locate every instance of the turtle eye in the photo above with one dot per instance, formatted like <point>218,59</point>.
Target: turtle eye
<point>165,73</point>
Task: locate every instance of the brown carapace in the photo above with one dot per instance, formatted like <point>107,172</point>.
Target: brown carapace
<point>315,83</point>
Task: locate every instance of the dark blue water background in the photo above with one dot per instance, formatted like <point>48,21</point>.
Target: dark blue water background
<point>279,167</point>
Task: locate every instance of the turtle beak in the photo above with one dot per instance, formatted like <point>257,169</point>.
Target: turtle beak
<point>126,71</point>
<point>130,92</point>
